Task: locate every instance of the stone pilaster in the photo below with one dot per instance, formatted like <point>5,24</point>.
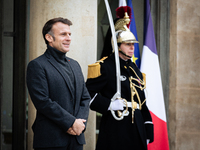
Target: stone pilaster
<point>184,75</point>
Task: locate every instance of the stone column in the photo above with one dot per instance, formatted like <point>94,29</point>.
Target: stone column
<point>173,75</point>
<point>184,114</point>
<point>83,15</point>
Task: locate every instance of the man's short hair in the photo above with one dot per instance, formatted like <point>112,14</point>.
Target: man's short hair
<point>49,24</point>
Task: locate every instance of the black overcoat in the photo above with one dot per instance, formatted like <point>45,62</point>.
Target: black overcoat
<point>57,106</point>
<point>123,134</point>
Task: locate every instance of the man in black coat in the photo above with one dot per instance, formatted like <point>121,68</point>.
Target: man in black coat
<point>57,89</point>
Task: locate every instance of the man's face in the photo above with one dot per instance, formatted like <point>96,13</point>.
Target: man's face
<point>62,37</point>
<point>128,49</point>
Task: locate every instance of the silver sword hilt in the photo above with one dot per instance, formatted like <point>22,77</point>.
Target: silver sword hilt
<point>120,114</point>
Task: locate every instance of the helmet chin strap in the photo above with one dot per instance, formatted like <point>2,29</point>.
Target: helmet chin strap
<point>124,53</point>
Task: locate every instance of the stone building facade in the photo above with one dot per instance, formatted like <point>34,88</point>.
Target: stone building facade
<point>177,32</point>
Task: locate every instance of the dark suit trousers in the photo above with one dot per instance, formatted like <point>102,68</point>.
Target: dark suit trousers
<point>73,145</point>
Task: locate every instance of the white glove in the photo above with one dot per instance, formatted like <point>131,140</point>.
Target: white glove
<point>116,105</point>
<point>148,140</point>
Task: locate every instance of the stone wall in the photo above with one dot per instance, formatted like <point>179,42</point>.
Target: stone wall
<point>184,97</point>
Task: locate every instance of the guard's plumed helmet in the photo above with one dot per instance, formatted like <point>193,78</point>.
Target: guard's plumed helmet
<point>124,35</point>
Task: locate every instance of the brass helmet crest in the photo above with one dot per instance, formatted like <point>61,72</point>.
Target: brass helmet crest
<point>123,34</point>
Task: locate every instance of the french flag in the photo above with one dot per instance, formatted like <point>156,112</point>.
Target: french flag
<point>154,93</point>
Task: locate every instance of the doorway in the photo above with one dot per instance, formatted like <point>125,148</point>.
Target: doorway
<point>12,74</point>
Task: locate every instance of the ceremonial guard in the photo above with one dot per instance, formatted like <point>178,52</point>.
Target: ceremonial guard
<point>126,123</point>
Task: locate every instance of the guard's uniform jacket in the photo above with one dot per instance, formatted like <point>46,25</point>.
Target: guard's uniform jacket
<point>122,134</point>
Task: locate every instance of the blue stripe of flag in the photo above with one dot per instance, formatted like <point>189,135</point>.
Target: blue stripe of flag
<point>149,37</point>
<point>134,31</point>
